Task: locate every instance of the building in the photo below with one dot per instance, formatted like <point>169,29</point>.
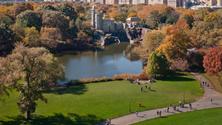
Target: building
<point>152,2</point>
<point>111,1</point>
<point>172,3</point>
<point>125,2</point>
<point>139,1</point>
<point>106,25</point>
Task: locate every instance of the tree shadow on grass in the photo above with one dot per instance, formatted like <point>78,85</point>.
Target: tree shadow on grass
<point>177,77</point>
<point>77,89</point>
<point>56,119</point>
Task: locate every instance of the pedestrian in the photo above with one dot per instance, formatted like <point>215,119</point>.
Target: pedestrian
<point>168,109</point>
<point>157,113</point>
<point>174,108</point>
<point>190,105</point>
<point>160,113</point>
<point>137,114</point>
<point>211,100</point>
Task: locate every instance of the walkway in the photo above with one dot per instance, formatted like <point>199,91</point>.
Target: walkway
<point>203,103</point>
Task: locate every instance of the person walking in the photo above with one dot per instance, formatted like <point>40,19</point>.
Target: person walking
<point>137,113</point>
<point>160,113</point>
<point>168,109</point>
<point>190,105</point>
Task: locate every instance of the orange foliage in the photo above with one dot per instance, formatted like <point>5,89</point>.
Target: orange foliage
<point>146,10</point>
<point>183,11</point>
<point>213,60</point>
<point>5,9</point>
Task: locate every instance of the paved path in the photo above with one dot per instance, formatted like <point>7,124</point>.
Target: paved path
<point>203,103</point>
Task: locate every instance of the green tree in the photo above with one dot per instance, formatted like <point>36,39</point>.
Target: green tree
<point>29,71</point>
<point>153,20</point>
<point>7,39</point>
<point>121,17</point>
<point>45,7</point>
<point>157,65</point>
<point>29,19</point>
<point>7,20</point>
<point>54,19</point>
<point>32,37</point>
<point>68,11</point>
<point>21,7</point>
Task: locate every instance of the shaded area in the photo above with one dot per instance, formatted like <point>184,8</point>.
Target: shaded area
<point>177,78</point>
<point>56,119</point>
<point>77,89</point>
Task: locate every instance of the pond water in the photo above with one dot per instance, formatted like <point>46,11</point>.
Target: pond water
<point>107,63</point>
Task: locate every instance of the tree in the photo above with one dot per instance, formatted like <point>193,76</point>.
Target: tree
<point>32,37</point>
<point>152,39</point>
<point>213,61</point>
<point>68,11</point>
<point>189,19</point>
<point>175,44</point>
<point>153,20</point>
<point>121,17</point>
<point>207,32</point>
<point>18,8</point>
<point>50,37</point>
<point>195,61</point>
<point>7,20</point>
<point>157,64</point>
<point>54,19</point>
<point>169,16</point>
<point>45,7</point>
<point>7,39</point>
<point>29,19</point>
<point>29,71</point>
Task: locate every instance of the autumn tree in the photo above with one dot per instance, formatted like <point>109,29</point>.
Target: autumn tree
<point>50,37</point>
<point>175,44</point>
<point>29,19</point>
<point>153,20</point>
<point>21,7</point>
<point>32,37</point>
<point>152,39</point>
<point>68,11</point>
<point>54,19</point>
<point>45,7</point>
<point>29,71</point>
<point>213,60</point>
<point>157,65</point>
<point>207,32</point>
<point>5,19</point>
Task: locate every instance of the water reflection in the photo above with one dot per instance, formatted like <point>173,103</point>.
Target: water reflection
<point>99,63</point>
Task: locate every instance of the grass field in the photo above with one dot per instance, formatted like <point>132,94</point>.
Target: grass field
<point>215,81</point>
<point>94,102</point>
<point>202,117</point>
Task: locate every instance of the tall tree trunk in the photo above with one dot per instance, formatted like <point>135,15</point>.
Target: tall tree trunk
<point>28,115</point>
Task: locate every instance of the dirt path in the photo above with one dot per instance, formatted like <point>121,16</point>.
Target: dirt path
<point>203,103</point>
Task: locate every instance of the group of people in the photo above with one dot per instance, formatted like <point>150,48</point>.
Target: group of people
<point>145,87</point>
<point>174,107</point>
<point>204,84</point>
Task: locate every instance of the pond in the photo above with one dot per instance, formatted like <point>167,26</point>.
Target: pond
<point>112,60</point>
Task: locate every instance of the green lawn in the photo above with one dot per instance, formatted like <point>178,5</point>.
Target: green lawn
<point>202,117</point>
<point>97,101</point>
